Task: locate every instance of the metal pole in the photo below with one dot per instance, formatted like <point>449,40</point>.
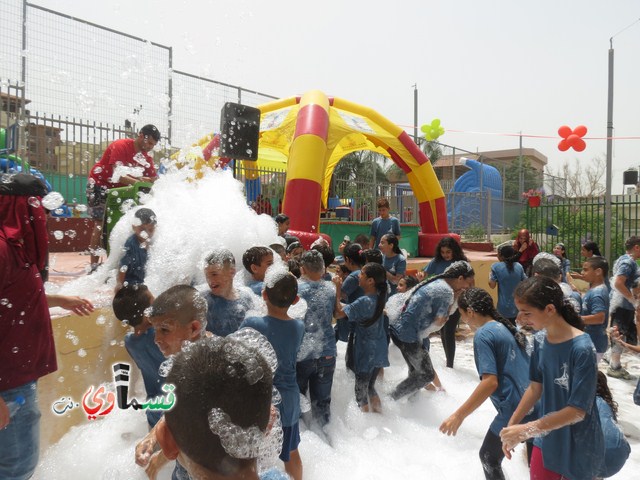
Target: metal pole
<point>23,73</point>
<point>415,113</point>
<point>607,196</point>
<point>521,173</point>
<point>170,106</point>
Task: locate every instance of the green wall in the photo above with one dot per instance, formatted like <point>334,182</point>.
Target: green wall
<point>337,231</point>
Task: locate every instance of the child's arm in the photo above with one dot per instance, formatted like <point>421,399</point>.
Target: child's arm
<point>595,319</point>
<point>77,305</point>
<point>337,311</point>
<point>120,280</point>
<point>483,391</point>
<point>529,399</point>
<point>615,335</point>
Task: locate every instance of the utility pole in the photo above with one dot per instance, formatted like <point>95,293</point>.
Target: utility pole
<point>607,196</point>
<point>415,113</point>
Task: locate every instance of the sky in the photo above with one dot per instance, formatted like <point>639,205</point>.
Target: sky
<point>495,67</point>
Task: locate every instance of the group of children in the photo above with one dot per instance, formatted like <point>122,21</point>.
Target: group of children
<point>552,388</point>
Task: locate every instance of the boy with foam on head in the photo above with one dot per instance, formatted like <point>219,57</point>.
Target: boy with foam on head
<point>256,260</point>
<point>134,261</point>
<point>218,426</point>
<point>227,305</point>
<point>131,304</point>
<point>285,335</point>
<point>317,357</point>
<point>179,317</point>
<point>383,224</point>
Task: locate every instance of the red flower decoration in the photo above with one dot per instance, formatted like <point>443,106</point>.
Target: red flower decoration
<point>572,138</point>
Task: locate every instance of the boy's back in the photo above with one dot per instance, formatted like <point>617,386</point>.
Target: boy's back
<point>286,338</point>
<point>319,337</point>
<point>225,316</point>
<point>135,259</point>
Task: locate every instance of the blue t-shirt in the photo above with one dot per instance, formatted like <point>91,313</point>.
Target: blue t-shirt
<point>319,338</point>
<point>148,357</point>
<point>285,337</point>
<point>596,300</point>
<point>274,474</point>
<point>396,265</point>
<point>135,259</point>
<point>565,266</point>
<point>507,282</point>
<point>496,352</point>
<point>616,446</point>
<point>225,316</point>
<point>381,226</point>
<point>436,266</point>
<point>627,266</point>
<point>256,287</point>
<point>567,372</point>
<point>426,304</point>
<point>370,343</point>
<point>351,290</point>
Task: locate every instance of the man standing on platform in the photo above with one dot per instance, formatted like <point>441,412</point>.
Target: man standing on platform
<point>124,162</point>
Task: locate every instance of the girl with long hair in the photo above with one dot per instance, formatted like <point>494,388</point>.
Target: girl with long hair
<point>503,365</point>
<point>426,311</point>
<point>370,338</point>
<point>506,274</point>
<point>393,260</point>
<point>568,441</point>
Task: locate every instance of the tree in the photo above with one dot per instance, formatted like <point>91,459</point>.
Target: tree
<point>532,178</point>
<point>583,180</point>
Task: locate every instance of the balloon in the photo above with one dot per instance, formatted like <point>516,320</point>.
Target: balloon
<point>433,130</point>
<point>564,131</point>
<point>572,138</point>
<point>580,130</point>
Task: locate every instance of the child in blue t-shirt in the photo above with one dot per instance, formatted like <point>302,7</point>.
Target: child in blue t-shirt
<point>383,224</point>
<point>134,261</point>
<point>227,305</point>
<point>317,356</point>
<point>370,336</point>
<point>285,335</point>
<point>130,305</point>
<point>503,365</point>
<point>616,446</point>
<point>595,303</point>
<point>506,275</point>
<point>256,261</point>
<point>393,260</point>
<point>351,290</point>
<point>568,438</point>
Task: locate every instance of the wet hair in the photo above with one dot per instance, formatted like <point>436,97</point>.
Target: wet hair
<point>379,275</point>
<point>599,262</point>
<point>382,203</point>
<point>546,268</point>
<point>211,376</point>
<point>290,239</point>
<point>393,240</point>
<point>562,248</point>
<point>255,256</point>
<point>631,242</point>
<point>456,249</point>
<point>294,267</point>
<point>146,216</point>
<point>540,291</point>
<point>457,269</point>
<point>150,131</point>
<point>602,391</point>
<point>410,281</point>
<point>344,270</point>
<point>371,255</point>
<point>281,218</point>
<point>182,303</point>
<point>312,261</point>
<point>362,239</point>
<point>481,302</point>
<point>591,246</point>
<point>355,253</point>
<point>279,249</point>
<point>220,258</point>
<point>283,291</point>
<point>293,245</point>
<point>508,255</point>
<point>327,253</point>
<point>130,303</point>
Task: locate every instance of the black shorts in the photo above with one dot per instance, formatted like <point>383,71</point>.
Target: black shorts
<point>96,200</point>
<point>624,320</point>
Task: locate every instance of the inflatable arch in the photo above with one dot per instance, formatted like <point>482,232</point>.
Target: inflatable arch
<point>316,131</point>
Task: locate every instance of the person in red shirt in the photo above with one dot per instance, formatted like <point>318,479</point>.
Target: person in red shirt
<point>526,249</point>
<point>124,162</point>
<point>27,350</point>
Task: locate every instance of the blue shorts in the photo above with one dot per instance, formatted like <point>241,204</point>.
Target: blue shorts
<point>290,440</point>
